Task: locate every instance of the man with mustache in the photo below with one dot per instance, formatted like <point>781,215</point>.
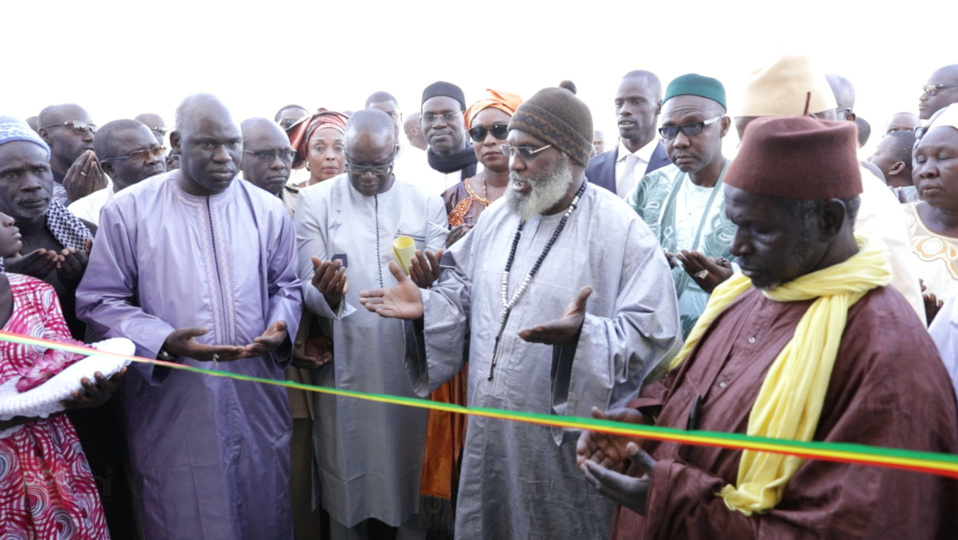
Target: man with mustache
<point>555,238</point>
<point>638,152</point>
<point>126,150</point>
<point>683,202</point>
<point>198,268</point>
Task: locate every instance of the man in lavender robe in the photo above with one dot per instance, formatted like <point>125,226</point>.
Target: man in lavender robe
<point>195,266</point>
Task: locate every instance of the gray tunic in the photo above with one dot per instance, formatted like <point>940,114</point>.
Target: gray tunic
<point>520,480</point>
<point>369,454</point>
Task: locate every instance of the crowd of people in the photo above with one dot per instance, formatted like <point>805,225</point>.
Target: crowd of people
<point>792,291</point>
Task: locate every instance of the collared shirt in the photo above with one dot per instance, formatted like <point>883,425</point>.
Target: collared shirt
<point>643,154</point>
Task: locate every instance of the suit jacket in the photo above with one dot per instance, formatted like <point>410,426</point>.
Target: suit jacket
<point>601,169</point>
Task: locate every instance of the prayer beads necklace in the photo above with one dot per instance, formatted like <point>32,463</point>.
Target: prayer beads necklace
<point>508,304</point>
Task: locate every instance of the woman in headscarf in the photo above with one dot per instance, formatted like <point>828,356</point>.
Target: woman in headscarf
<point>933,221</point>
<point>318,142</point>
<point>487,121</point>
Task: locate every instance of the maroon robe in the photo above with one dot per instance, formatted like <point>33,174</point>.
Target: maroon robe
<point>888,388</point>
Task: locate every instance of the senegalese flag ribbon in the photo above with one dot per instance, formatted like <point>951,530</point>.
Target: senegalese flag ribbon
<point>896,458</point>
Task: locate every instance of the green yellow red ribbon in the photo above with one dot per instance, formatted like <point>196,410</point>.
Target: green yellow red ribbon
<point>896,458</point>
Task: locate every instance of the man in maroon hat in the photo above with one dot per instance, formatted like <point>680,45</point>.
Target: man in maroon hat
<point>804,344</point>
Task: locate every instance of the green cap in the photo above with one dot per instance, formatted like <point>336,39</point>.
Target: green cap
<point>694,84</point>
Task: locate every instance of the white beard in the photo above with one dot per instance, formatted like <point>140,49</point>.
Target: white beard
<point>548,188</point>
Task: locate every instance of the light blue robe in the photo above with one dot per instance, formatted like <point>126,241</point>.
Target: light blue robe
<point>211,454</point>
<point>369,454</point>
<point>520,480</point>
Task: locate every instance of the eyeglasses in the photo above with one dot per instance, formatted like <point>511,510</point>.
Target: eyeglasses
<point>430,118</point>
<point>267,156</point>
<point>377,170</point>
<point>689,130</point>
<point>156,152</point>
<point>159,129</point>
<point>526,152</point>
<point>498,131</point>
<point>932,89</point>
<point>80,127</point>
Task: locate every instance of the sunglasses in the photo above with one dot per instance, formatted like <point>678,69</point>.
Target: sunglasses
<point>498,131</point>
<point>689,130</point>
<point>932,89</point>
<point>156,152</point>
<point>80,127</point>
<point>526,152</point>
<point>431,118</point>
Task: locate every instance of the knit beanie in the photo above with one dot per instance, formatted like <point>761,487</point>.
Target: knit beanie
<point>557,117</point>
<point>13,129</point>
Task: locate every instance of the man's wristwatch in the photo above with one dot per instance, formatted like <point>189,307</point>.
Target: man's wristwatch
<point>165,356</point>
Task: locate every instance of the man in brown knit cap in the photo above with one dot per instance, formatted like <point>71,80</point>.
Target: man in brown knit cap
<point>806,343</point>
<point>555,239</point>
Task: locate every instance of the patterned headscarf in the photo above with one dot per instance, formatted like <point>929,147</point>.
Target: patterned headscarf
<point>504,101</point>
<point>300,132</point>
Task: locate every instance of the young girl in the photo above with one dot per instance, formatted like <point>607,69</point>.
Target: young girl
<point>46,489</point>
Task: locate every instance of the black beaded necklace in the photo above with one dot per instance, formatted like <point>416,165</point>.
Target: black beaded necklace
<point>508,304</point>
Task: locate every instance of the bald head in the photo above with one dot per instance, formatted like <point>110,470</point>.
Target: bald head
<point>371,124</point>
<point>844,92</point>
<point>903,121</point>
<point>267,157</point>
<point>198,108</point>
<point>414,131</point>
<point>155,123</point>
<point>943,84</point>
<point>65,128</point>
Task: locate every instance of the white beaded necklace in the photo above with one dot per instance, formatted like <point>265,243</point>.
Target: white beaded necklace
<point>507,303</point>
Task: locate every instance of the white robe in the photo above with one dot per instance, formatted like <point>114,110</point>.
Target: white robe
<point>369,454</point>
<point>521,480</point>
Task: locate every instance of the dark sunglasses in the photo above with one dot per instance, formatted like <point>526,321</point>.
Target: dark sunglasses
<point>80,127</point>
<point>499,131</point>
<point>689,130</point>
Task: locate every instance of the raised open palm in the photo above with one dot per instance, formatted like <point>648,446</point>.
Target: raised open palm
<point>403,301</point>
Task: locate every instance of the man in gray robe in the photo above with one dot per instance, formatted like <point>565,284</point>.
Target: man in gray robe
<point>369,454</point>
<point>195,266</point>
<point>555,238</point>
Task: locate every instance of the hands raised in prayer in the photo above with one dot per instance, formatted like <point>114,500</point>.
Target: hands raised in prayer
<point>456,233</point>
<point>625,490</point>
<point>312,353</point>
<point>95,393</point>
<point>330,280</point>
<point>597,453</point>
<point>37,263</point>
<point>83,177</point>
<point>182,342</point>
<point>708,272</point>
<point>563,331</point>
<point>424,268</point>
<point>403,301</point>
<point>606,449</point>
<point>72,263</point>
<point>932,304</point>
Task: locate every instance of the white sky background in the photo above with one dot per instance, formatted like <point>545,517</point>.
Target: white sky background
<point>121,58</point>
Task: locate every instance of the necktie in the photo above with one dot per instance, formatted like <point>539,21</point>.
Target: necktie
<point>625,184</point>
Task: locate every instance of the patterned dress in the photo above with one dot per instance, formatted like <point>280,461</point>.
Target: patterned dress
<point>46,489</point>
<point>936,255</point>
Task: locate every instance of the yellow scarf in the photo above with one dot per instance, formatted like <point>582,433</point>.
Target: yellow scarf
<point>790,401</point>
